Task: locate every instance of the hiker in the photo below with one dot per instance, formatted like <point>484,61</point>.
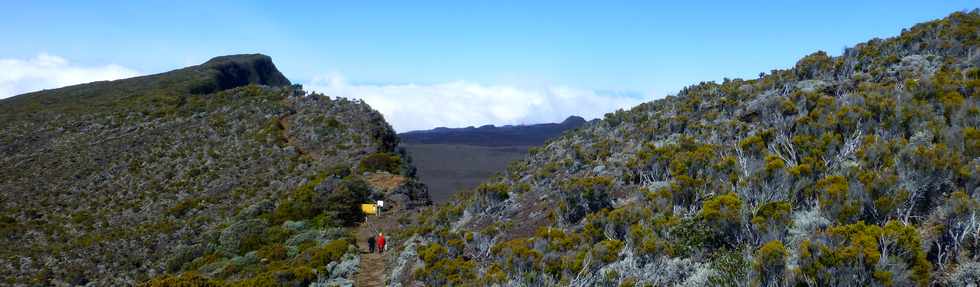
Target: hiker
<point>381,242</point>
<point>370,241</point>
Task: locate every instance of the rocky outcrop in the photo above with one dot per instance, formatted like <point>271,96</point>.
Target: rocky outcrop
<point>233,71</point>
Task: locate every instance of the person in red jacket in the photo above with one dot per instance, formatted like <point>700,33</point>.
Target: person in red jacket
<point>381,242</point>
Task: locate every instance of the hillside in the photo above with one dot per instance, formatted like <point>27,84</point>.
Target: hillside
<point>454,159</point>
<point>853,170</point>
<point>221,173</point>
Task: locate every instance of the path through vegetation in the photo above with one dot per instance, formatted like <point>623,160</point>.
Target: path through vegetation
<point>372,270</point>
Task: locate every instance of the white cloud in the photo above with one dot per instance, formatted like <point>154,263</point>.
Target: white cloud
<point>46,71</point>
<point>458,104</point>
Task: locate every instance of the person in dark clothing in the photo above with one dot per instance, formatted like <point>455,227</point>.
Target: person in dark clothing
<point>370,242</point>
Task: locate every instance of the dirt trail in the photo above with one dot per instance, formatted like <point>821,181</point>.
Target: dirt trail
<point>289,141</point>
<point>372,269</point>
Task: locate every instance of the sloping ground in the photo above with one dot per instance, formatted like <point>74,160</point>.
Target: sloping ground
<point>391,222</point>
<point>385,181</point>
<point>203,174</point>
<point>857,170</point>
<point>157,93</point>
<point>372,270</point>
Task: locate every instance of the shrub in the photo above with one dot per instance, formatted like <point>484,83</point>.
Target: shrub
<point>187,279</point>
<point>332,251</point>
<point>728,268</point>
<point>772,219</point>
<point>862,254</point>
<point>493,191</point>
<point>584,195</point>
<point>558,239</point>
<point>518,254</point>
<point>337,207</point>
<point>382,161</point>
<point>297,206</point>
<point>273,252</point>
<point>836,200</point>
<point>8,226</point>
<point>813,65</point>
<point>607,251</point>
<point>494,274</point>
<point>770,263</point>
<point>546,170</point>
<point>966,274</point>
<point>723,214</point>
<point>340,170</point>
<point>343,203</point>
<point>432,253</point>
<point>296,276</point>
<point>971,141</point>
<point>774,163</point>
<point>442,270</point>
<point>183,206</point>
<point>243,236</point>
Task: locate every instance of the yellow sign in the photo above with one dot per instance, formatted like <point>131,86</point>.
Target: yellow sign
<point>369,208</point>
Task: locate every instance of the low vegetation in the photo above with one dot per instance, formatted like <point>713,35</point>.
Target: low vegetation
<point>188,178</point>
<point>858,169</point>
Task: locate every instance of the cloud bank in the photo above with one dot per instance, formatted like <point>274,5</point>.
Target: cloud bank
<point>46,71</point>
<point>458,104</point>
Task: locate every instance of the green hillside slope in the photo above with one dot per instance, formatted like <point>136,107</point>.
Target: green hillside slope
<point>222,171</point>
<point>855,170</point>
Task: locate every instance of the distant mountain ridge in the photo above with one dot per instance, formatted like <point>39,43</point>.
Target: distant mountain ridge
<point>217,74</point>
<point>490,135</point>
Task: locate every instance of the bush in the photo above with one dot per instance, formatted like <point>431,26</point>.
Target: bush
<point>584,195</point>
<point>836,199</point>
<point>343,204</point>
<point>340,170</point>
<point>332,251</point>
<point>862,254</point>
<point>444,270</point>
<point>383,161</point>
<point>493,191</point>
<point>8,226</point>
<point>971,141</point>
<point>770,263</point>
<point>187,279</point>
<point>772,219</point>
<point>273,252</point>
<point>723,214</point>
<point>518,254</point>
<point>296,276</point>
<point>432,253</point>
<point>183,206</point>
<point>337,207</point>
<point>559,240</point>
<point>607,251</point>
<point>243,236</point>
<point>297,206</point>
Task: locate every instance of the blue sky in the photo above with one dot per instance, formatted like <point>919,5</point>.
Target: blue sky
<point>429,52</point>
